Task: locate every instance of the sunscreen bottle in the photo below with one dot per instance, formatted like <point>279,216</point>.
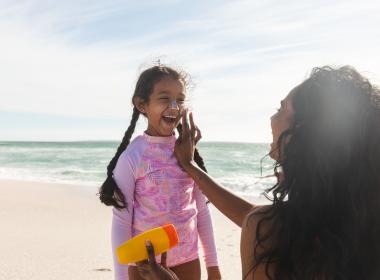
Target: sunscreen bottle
<point>134,250</point>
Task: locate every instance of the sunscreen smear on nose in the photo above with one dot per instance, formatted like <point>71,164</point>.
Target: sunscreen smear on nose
<point>134,250</point>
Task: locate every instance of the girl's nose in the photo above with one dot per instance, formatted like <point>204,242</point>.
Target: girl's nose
<point>173,105</point>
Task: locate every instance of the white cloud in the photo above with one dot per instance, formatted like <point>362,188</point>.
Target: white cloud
<point>245,56</point>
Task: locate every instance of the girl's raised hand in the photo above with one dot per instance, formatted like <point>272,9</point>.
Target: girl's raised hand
<point>188,138</point>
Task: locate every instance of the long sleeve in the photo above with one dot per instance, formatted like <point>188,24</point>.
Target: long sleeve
<point>123,175</point>
<point>205,229</point>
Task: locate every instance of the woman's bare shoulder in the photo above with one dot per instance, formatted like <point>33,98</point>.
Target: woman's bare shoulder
<point>248,242</point>
<point>254,216</point>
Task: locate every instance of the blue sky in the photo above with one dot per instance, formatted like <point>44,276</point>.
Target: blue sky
<point>68,68</point>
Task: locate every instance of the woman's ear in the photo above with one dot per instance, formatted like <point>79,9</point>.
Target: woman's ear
<point>139,104</point>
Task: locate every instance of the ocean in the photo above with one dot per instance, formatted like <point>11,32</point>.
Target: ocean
<point>237,166</point>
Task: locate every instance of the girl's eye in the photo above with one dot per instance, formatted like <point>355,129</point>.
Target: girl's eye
<point>181,101</point>
<point>164,98</point>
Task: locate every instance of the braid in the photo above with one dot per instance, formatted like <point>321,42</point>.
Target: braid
<point>110,194</point>
<point>125,142</point>
<point>197,157</point>
<point>199,160</point>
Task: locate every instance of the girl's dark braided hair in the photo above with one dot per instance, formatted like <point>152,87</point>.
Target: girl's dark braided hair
<point>109,193</point>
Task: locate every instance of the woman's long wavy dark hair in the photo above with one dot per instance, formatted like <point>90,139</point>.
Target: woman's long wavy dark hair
<point>109,193</point>
<point>324,222</point>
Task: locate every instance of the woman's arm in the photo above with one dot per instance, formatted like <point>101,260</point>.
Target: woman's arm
<point>232,206</point>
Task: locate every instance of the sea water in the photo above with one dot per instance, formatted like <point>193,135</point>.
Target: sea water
<point>243,168</point>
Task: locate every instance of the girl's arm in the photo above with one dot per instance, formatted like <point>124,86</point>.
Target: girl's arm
<point>205,229</point>
<point>122,219</point>
<point>232,206</point>
<point>121,232</point>
<point>206,235</point>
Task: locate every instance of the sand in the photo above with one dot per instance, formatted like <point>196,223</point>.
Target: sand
<point>55,231</point>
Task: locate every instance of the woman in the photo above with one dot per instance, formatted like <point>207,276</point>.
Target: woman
<point>324,220</point>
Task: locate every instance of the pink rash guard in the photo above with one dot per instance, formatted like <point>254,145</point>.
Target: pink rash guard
<point>159,192</point>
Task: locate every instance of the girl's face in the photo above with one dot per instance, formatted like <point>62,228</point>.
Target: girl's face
<point>280,122</point>
<point>165,107</point>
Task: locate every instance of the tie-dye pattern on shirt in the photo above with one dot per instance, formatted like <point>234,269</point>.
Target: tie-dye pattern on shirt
<point>164,194</point>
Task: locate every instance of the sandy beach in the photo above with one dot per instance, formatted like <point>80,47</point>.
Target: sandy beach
<point>61,232</point>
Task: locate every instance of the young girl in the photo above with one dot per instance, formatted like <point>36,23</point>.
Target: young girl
<point>148,188</point>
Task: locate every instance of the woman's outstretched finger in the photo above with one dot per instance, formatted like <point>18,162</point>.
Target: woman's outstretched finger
<point>192,126</point>
<point>163,259</point>
<point>151,256</point>
<point>185,125</point>
<point>199,135</point>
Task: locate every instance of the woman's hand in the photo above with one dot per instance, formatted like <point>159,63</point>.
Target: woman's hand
<point>151,270</point>
<point>185,144</point>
